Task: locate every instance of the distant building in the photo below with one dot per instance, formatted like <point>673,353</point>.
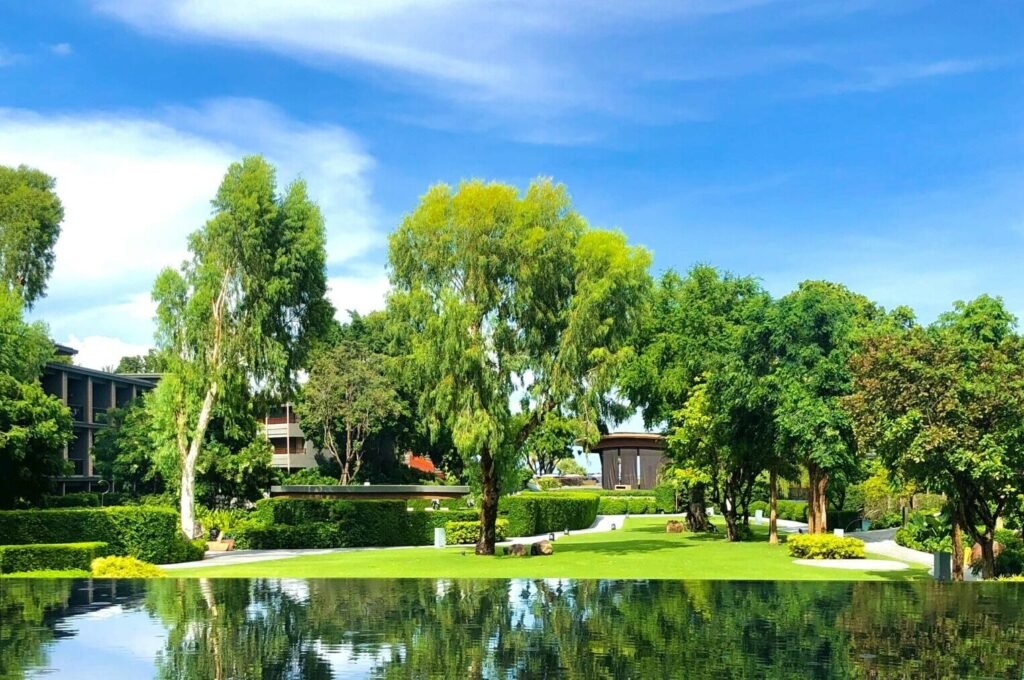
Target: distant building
<point>631,460</point>
<point>88,394</point>
<point>291,449</point>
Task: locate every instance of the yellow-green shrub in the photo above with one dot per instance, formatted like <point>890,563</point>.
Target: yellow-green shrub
<point>124,567</point>
<point>824,547</point>
<point>461,533</point>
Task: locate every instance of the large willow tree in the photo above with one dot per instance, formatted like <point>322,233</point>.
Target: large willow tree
<point>503,295</point>
<point>243,310</point>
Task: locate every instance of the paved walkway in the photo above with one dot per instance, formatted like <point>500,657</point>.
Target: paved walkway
<point>882,542</point>
<point>859,564</point>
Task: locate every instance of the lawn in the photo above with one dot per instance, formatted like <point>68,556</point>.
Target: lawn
<point>640,550</point>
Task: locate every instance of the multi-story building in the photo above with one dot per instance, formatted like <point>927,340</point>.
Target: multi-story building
<point>291,450</point>
<point>88,394</point>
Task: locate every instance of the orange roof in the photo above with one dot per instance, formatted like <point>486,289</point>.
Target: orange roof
<point>423,464</point>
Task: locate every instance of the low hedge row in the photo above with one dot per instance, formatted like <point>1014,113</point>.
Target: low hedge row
<point>597,491</point>
<point>539,513</point>
<point>795,511</point>
<point>55,556</point>
<point>824,547</point>
<point>148,533</point>
<point>462,533</point>
<point>315,523</point>
<point>621,505</point>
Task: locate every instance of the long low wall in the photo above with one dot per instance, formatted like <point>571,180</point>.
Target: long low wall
<point>370,492</point>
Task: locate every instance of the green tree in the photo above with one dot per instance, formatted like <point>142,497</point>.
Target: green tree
<point>700,370</point>
<point>34,427</point>
<point>347,398</point>
<point>500,291</point>
<point>550,442</point>
<point>123,451</point>
<point>244,310</point>
<point>30,217</point>
<point>815,332</point>
<point>943,407</point>
<point>569,466</point>
<point>150,362</point>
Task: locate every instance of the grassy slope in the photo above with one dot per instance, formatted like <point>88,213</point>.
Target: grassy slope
<point>641,550</point>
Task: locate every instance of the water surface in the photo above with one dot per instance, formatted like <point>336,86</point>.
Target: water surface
<point>339,628</point>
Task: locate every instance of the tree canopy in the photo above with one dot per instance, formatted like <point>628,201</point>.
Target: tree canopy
<point>30,217</point>
<point>245,309</point>
<point>506,294</point>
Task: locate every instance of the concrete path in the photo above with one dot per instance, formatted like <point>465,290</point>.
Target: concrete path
<point>882,542</point>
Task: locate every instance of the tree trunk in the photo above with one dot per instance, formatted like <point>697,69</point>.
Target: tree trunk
<point>696,514</point>
<point>730,523</point>
<point>988,557</point>
<point>188,466</point>
<point>488,504</point>
<point>773,507</point>
<point>817,501</point>
<point>958,550</point>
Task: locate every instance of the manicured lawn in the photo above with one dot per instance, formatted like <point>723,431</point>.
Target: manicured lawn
<point>641,550</point>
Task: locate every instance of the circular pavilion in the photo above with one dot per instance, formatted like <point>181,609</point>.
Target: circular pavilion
<point>630,460</point>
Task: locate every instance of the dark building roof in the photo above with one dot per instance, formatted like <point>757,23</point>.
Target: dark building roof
<point>57,366</point>
<point>630,440</point>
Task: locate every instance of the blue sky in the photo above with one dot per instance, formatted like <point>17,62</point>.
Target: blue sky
<point>878,144</point>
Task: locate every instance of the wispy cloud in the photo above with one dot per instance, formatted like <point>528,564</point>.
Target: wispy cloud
<point>61,49</point>
<point>879,78</point>
<point>8,58</point>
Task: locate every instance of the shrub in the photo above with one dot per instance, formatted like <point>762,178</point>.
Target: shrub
<point>824,547</point>
<point>795,511</point>
<point>540,513</point>
<point>281,536</point>
<point>72,500</point>
<point>462,503</point>
<point>887,520</point>
<point>309,477</point>
<point>598,491</point>
<point>148,533</point>
<point>928,532</point>
<point>55,556</point>
<point>759,505</point>
<point>547,483</point>
<point>461,533</point>
<point>124,567</point>
<point>666,499</point>
<point>609,505</point>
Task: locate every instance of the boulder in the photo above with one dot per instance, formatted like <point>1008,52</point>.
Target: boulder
<point>516,550</point>
<point>542,548</point>
<point>674,526</point>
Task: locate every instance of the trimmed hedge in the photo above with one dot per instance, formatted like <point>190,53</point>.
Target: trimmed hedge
<point>462,533</point>
<point>148,533</point>
<point>665,498</point>
<point>620,505</point>
<point>540,513</point>
<point>325,523</point>
<point>598,491</point>
<point>824,547</point>
<point>51,557</point>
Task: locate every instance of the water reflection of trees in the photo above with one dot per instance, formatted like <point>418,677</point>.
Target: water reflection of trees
<point>589,629</point>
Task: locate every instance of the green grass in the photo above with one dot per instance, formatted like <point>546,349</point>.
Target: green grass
<point>49,573</point>
<point>641,550</point>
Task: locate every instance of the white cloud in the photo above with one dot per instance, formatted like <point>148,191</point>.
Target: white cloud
<point>879,78</point>
<point>363,292</point>
<point>135,185</point>
<point>99,351</point>
<point>61,49</point>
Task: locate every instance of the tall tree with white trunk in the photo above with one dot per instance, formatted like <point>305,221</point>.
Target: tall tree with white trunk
<point>241,314</point>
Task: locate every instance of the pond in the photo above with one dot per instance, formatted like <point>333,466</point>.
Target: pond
<point>365,628</point>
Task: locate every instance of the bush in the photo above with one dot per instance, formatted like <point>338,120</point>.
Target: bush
<point>598,491</point>
<point>759,505</point>
<point>72,500</point>
<point>124,567</point>
<point>309,477</point>
<point>547,483</point>
<point>541,513</point>
<point>148,533</point>
<point>928,533</point>
<point>462,503</point>
<point>824,547</point>
<point>665,498</point>
<point>795,511</point>
<point>462,533</point>
<point>56,556</point>
<point>620,505</point>
<point>887,520</point>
